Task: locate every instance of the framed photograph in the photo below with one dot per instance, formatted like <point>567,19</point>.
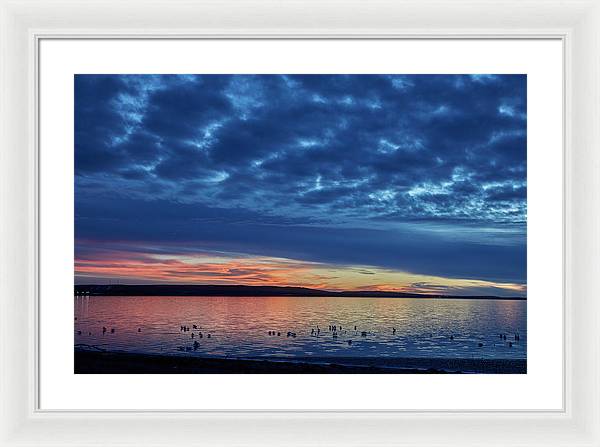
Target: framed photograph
<point>240,223</point>
<point>311,217</point>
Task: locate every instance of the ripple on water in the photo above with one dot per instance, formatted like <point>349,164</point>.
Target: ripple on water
<point>239,326</point>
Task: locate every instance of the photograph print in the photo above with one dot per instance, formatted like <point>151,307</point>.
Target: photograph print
<point>300,224</point>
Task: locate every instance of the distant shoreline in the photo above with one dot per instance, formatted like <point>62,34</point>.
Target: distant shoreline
<point>93,362</point>
<point>256,291</point>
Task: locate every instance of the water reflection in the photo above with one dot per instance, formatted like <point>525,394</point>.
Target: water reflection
<point>240,326</point>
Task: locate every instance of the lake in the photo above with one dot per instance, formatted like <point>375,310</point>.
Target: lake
<point>239,327</point>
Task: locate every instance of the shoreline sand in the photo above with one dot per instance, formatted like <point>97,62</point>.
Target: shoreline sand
<point>94,362</point>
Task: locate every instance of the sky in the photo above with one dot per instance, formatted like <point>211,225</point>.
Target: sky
<point>342,182</point>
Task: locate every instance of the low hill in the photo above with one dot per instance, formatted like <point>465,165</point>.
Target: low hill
<point>239,290</point>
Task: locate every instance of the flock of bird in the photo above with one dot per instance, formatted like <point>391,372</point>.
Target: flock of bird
<point>335,330</point>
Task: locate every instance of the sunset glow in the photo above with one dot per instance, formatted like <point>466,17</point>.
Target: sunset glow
<point>207,268</point>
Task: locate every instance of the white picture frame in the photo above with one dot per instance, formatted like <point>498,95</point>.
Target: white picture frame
<point>24,23</point>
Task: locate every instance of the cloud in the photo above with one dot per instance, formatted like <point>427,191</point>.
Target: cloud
<point>137,263</point>
<point>342,168</point>
<point>409,248</point>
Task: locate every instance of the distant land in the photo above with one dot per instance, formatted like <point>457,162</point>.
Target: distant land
<point>239,290</point>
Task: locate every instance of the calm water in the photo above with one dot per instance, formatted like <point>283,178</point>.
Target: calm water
<point>239,326</point>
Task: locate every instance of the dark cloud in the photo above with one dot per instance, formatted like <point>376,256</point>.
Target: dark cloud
<point>97,124</point>
<point>333,168</point>
<point>181,110</point>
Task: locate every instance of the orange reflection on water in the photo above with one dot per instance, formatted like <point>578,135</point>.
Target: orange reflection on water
<point>240,326</point>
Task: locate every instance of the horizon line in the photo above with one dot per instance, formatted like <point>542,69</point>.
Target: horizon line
<point>346,293</point>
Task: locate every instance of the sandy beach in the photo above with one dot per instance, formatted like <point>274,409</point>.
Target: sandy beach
<point>91,362</point>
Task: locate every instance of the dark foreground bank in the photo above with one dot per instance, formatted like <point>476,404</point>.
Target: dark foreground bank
<point>92,362</point>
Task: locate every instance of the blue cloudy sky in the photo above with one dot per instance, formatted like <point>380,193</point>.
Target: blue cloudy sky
<point>403,182</point>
